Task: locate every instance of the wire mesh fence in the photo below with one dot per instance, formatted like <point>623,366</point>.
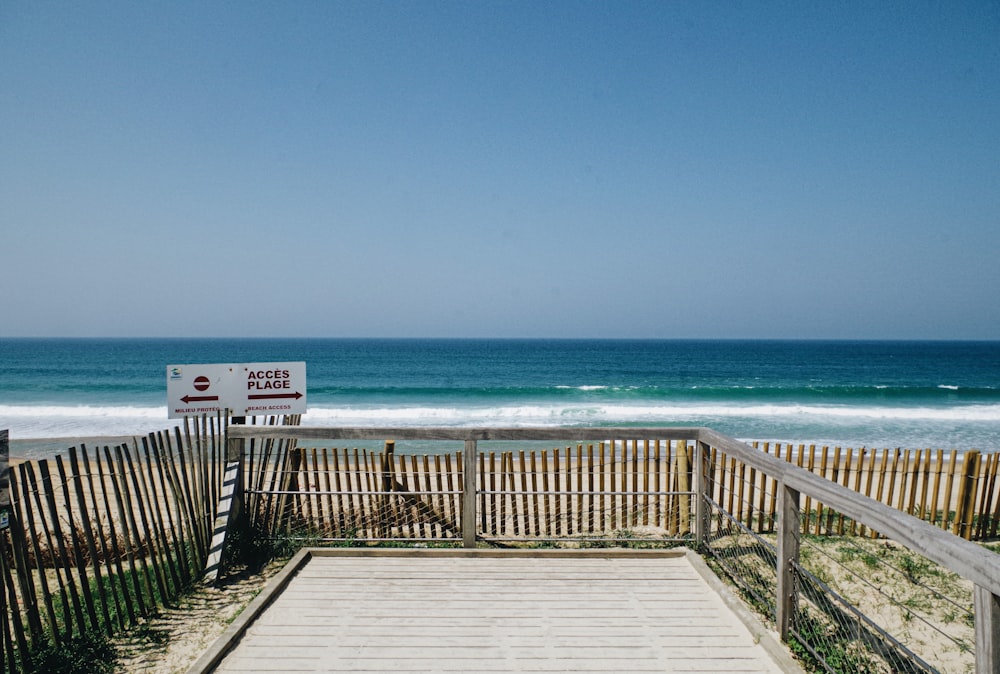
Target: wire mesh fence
<point>869,604</point>
<point>618,491</point>
<point>862,603</point>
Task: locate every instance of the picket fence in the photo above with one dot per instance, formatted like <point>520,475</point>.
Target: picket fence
<point>595,490</point>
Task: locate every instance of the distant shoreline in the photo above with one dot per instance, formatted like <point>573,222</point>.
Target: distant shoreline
<point>41,448</point>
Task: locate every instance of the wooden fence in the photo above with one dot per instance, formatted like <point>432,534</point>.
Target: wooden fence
<point>597,490</point>
<point>100,538</point>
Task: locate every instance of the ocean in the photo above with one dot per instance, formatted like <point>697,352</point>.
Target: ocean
<point>849,393</point>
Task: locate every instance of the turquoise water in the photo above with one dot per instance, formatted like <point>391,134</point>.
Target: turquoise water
<point>884,394</point>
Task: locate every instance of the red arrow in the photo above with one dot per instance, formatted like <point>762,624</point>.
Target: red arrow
<point>198,399</point>
<point>272,396</point>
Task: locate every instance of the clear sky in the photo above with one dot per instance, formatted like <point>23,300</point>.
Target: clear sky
<point>500,169</point>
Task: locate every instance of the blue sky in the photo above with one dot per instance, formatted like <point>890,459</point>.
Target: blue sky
<point>504,169</point>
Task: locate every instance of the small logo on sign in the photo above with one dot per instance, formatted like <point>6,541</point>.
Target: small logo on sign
<point>175,373</point>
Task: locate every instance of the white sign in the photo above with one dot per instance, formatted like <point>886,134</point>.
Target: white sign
<point>246,389</point>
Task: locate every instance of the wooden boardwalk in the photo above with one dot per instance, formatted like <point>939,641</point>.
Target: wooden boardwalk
<point>488,611</point>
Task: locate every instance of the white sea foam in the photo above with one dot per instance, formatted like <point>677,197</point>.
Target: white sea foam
<point>57,421</point>
<point>86,420</point>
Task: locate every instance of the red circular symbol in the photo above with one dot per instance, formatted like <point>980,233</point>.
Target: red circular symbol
<point>201,383</point>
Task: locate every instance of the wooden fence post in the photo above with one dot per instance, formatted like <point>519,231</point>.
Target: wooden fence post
<point>229,507</point>
<point>788,554</point>
<point>701,491</point>
<point>987,612</point>
<point>966,510</point>
<point>469,461</point>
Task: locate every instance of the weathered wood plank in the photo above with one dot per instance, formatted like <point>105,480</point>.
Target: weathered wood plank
<point>439,612</point>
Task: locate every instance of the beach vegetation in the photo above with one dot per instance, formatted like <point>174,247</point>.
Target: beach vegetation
<point>92,652</point>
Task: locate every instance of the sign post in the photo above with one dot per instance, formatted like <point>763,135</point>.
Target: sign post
<point>240,389</point>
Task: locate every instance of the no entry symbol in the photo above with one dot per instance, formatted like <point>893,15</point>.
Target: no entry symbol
<point>201,383</point>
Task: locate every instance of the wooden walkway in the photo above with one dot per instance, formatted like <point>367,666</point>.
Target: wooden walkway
<point>489,611</point>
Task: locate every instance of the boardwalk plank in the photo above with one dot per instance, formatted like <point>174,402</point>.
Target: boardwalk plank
<point>468,614</point>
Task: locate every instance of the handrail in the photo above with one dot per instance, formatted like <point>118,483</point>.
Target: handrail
<point>459,434</point>
<point>965,558</point>
<point>956,554</point>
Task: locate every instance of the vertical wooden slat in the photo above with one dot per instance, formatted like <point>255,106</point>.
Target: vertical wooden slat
<point>30,488</point>
<point>835,478</point>
<point>579,498</point>
<point>359,487</point>
<point>525,512</point>
<point>913,481</point>
<point>989,473</point>
<point>773,487</point>
<point>807,508</point>
<point>893,476</point>
<point>751,493</point>
<point>590,488</point>
<point>18,554</point>
<point>684,485</point>
<point>845,481</point>
<point>567,481</point>
<point>938,469</point>
<point>858,481</point>
<point>435,528</point>
<point>546,503</point>
<point>501,498</point>
<point>139,536</point>
<point>995,518</point>
<point>202,534</point>
<point>657,486</point>
<point>455,508</point>
<point>315,482</point>
<point>512,493</point>
<point>118,553</point>
<point>342,506</point>
<point>130,545</point>
<point>741,488</point>
<point>634,486</point>
<point>13,632</point>
<point>904,487</point>
<point>627,508</point>
<point>731,487</point>
<point>602,508</point>
<point>160,497</point>
<point>869,479</point>
<point>54,515</point>
<point>557,489</point>
<point>490,509</point>
<point>372,476</point>
<point>331,513</point>
<point>967,494</point>
<point>645,483</point>
<point>88,534</point>
<point>158,507</point>
<point>75,546</point>
<point>20,515</point>
<point>925,474</point>
<point>302,499</point>
<point>153,557</point>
